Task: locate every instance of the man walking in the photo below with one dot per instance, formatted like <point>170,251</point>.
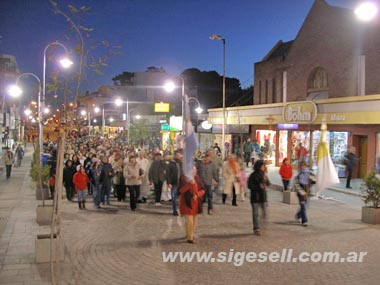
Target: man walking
<point>9,159</point>
<point>157,172</point>
<point>173,173</point>
<point>19,152</point>
<point>207,174</point>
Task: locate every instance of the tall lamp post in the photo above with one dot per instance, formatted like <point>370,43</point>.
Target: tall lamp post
<point>220,38</point>
<point>13,91</point>
<point>16,91</point>
<point>119,102</point>
<point>169,87</point>
<point>66,63</point>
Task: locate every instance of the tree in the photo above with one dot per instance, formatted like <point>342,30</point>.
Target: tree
<point>87,61</point>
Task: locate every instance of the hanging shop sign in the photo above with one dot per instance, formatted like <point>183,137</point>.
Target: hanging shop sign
<point>299,112</point>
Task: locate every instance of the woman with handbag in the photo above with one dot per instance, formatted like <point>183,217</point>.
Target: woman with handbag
<point>304,181</point>
<point>190,203</point>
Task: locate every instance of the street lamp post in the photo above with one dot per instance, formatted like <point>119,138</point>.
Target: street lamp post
<point>169,87</point>
<point>66,63</point>
<point>220,38</point>
<point>16,91</point>
<point>119,102</point>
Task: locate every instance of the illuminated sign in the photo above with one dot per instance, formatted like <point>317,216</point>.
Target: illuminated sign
<point>300,112</point>
<point>161,107</point>
<point>176,123</point>
<point>165,127</point>
<point>287,126</point>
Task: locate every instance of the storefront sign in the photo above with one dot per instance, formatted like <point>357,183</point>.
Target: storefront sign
<point>300,112</point>
<point>335,117</point>
<point>287,126</point>
<point>161,107</point>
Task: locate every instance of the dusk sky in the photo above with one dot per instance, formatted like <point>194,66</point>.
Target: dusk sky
<point>172,34</point>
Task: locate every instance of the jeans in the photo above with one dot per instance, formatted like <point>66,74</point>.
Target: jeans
<point>96,192</point>
<point>158,191</point>
<point>255,214</point>
<point>301,214</point>
<point>105,193</point>
<point>285,183</point>
<point>174,193</point>
<point>208,196</point>
<point>134,193</point>
<point>81,195</point>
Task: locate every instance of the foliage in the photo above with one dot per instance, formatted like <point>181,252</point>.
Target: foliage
<point>138,132</point>
<point>371,191</point>
<point>45,173</point>
<point>75,17</point>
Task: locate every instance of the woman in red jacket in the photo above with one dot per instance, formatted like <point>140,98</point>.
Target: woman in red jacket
<point>80,180</point>
<point>286,172</point>
<point>190,203</point>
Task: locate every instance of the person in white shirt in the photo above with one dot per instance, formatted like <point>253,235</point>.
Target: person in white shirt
<point>144,187</point>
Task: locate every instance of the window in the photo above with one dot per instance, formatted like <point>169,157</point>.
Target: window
<point>317,85</point>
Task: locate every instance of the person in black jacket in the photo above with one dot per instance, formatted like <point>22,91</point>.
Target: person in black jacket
<point>173,173</point>
<point>68,174</point>
<point>106,178</point>
<point>257,183</point>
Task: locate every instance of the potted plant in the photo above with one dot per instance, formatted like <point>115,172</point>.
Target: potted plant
<point>371,198</point>
<point>41,176</point>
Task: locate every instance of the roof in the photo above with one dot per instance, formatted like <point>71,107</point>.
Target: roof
<point>280,49</point>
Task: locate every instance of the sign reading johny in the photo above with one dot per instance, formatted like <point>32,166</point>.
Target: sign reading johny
<point>300,112</point>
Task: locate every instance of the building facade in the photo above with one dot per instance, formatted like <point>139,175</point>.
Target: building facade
<point>328,73</point>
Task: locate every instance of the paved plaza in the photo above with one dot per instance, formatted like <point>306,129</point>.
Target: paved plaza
<point>117,246</point>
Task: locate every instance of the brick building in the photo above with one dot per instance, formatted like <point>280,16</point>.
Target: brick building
<point>328,73</point>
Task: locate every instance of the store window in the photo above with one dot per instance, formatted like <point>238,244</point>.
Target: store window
<point>300,147</point>
<point>267,141</point>
<point>337,144</point>
<point>377,162</point>
<point>282,145</point>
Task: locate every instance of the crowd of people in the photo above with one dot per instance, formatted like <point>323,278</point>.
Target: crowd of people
<point>101,167</point>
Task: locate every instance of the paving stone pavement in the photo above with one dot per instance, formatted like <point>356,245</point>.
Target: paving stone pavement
<point>117,246</point>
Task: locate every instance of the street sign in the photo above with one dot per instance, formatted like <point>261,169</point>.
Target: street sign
<point>165,127</point>
<point>161,107</point>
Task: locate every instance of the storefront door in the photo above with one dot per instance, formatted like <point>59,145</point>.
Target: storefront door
<point>363,150</point>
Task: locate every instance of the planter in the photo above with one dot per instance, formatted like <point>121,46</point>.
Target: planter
<point>44,214</point>
<point>290,197</point>
<point>371,215</point>
<point>45,191</point>
<point>42,244</point>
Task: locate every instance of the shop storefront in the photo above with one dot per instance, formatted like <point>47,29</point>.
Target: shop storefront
<point>282,128</point>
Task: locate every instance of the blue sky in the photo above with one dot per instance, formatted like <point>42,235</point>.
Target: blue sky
<point>173,34</point>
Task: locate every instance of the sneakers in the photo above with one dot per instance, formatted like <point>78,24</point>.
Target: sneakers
<point>257,232</point>
<point>211,212</point>
<point>175,213</point>
<point>304,224</point>
<point>158,204</point>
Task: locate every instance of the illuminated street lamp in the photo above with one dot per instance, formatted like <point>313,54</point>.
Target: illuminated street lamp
<point>65,63</point>
<point>169,86</point>
<point>16,91</point>
<point>119,102</point>
<point>366,11</point>
<point>220,38</point>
